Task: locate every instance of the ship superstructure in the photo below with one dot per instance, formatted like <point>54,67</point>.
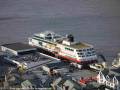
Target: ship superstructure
<point>64,46</point>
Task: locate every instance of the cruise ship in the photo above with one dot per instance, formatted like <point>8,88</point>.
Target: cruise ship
<point>64,47</point>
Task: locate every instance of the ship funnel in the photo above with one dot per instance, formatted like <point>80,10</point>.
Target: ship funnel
<point>70,38</point>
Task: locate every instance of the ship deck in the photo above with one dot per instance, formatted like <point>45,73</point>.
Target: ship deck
<point>80,45</point>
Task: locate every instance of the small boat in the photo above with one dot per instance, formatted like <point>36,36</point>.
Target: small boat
<point>116,61</point>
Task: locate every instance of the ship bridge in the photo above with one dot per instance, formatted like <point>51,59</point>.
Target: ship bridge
<point>48,35</point>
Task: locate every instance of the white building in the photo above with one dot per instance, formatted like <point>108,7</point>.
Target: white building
<point>17,48</point>
<point>107,81</point>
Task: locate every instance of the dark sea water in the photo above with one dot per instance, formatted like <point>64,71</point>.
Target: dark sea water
<point>94,21</point>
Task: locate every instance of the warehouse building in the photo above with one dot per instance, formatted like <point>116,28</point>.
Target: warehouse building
<point>17,49</point>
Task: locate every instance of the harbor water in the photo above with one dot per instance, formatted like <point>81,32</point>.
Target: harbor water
<point>93,21</point>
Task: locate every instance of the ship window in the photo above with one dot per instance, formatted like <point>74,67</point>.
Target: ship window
<point>93,52</point>
<point>83,56</point>
<point>91,49</point>
<point>80,53</point>
<point>48,37</point>
<point>87,55</point>
<point>72,50</point>
<point>79,50</point>
<point>88,52</point>
<point>41,37</point>
<point>56,36</point>
<point>40,43</point>
<point>84,50</point>
<point>49,34</point>
<point>88,49</point>
<point>69,49</point>
<point>38,37</point>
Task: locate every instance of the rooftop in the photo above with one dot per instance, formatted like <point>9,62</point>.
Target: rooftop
<point>37,76</point>
<point>27,83</point>
<point>18,46</point>
<point>61,81</point>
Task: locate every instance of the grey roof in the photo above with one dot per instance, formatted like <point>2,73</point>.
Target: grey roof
<point>72,84</point>
<point>67,82</point>
<point>26,83</point>
<point>18,46</point>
